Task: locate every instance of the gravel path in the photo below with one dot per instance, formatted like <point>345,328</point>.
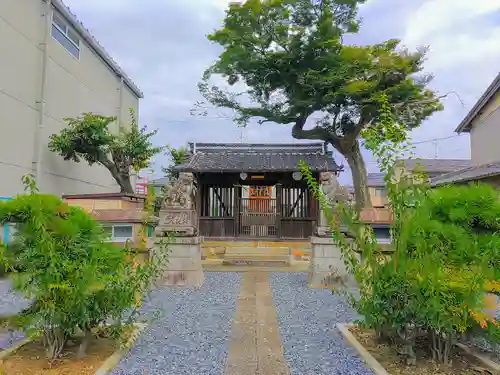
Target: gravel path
<point>191,335</point>
<point>307,317</point>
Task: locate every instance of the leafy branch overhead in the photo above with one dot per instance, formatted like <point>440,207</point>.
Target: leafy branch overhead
<point>290,59</point>
<point>178,156</point>
<point>89,138</point>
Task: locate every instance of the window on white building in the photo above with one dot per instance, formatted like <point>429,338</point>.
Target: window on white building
<point>65,35</point>
<point>119,232</point>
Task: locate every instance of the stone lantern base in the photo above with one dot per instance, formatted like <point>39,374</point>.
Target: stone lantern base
<point>327,268</point>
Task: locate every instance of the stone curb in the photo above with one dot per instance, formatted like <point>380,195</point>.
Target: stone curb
<point>109,364</point>
<point>12,349</point>
<point>370,362</point>
<point>377,368</point>
<point>484,360</point>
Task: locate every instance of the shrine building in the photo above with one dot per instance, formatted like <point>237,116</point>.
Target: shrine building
<point>256,191</point>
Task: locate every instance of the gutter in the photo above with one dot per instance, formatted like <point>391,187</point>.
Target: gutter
<point>92,42</point>
<point>43,92</point>
<point>120,106</point>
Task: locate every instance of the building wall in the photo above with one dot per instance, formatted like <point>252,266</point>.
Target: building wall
<point>485,132</point>
<point>74,86</point>
<point>377,199</point>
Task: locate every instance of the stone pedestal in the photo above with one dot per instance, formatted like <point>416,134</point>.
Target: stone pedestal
<point>184,266</point>
<point>327,268</point>
<point>178,221</point>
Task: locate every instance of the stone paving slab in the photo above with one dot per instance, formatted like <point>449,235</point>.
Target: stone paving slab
<point>255,347</point>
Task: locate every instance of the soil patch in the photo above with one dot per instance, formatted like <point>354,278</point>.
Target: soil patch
<point>387,356</point>
<point>30,359</point>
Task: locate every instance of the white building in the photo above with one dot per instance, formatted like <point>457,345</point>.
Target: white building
<point>51,68</point>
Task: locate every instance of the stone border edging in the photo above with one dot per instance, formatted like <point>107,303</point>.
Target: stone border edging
<point>12,349</point>
<point>369,360</point>
<point>108,365</point>
<point>378,369</point>
<point>484,360</point>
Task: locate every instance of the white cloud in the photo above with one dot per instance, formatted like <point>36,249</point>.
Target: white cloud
<point>435,16</point>
<point>455,31</point>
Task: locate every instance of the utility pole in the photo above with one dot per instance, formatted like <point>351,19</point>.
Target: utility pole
<point>242,137</point>
<point>436,145</point>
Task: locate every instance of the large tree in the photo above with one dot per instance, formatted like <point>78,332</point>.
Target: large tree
<point>291,61</point>
<point>89,138</point>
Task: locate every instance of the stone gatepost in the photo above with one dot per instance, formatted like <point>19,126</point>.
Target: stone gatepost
<point>179,221</point>
<point>327,268</point>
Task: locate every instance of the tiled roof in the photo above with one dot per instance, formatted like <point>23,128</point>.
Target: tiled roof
<point>471,173</point>
<point>376,179</point>
<point>437,165</point>
<point>89,38</point>
<point>490,92</point>
<point>241,157</point>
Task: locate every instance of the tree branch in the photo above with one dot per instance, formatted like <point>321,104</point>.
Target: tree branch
<point>317,132</point>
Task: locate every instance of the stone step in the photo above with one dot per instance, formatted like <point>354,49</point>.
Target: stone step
<point>250,251</point>
<point>265,257</point>
<point>256,262</point>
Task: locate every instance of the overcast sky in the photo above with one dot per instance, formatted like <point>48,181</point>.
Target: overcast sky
<point>162,46</point>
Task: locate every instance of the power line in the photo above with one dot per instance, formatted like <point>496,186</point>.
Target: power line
<point>435,139</point>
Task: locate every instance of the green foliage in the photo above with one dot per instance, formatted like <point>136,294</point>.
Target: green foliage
<point>291,57</point>
<point>177,157</point>
<point>76,279</point>
<point>445,246</point>
<point>90,138</point>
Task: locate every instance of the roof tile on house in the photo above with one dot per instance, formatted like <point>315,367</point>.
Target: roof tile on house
<point>471,173</point>
<point>376,179</point>
<point>258,157</point>
<point>436,165</point>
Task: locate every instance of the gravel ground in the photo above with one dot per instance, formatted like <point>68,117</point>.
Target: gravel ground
<point>10,304</point>
<point>191,335</point>
<point>312,344</point>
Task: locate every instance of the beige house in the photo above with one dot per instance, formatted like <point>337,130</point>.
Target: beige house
<point>483,124</point>
<point>52,68</point>
<point>432,168</point>
<point>377,190</point>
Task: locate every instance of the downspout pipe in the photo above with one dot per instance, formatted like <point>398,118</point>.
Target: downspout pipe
<point>120,105</point>
<point>39,139</point>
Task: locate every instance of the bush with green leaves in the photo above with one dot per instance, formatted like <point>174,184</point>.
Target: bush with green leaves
<point>77,281</point>
<point>446,251</point>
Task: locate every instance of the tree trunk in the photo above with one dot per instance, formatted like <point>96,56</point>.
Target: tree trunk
<point>122,179</point>
<point>359,176</point>
<point>125,184</point>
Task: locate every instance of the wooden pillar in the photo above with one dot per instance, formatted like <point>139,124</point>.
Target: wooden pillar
<point>199,193</point>
<point>237,207</point>
<point>279,209</point>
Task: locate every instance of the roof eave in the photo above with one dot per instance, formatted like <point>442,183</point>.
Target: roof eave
<point>492,89</point>
<point>77,25</point>
<point>196,170</point>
